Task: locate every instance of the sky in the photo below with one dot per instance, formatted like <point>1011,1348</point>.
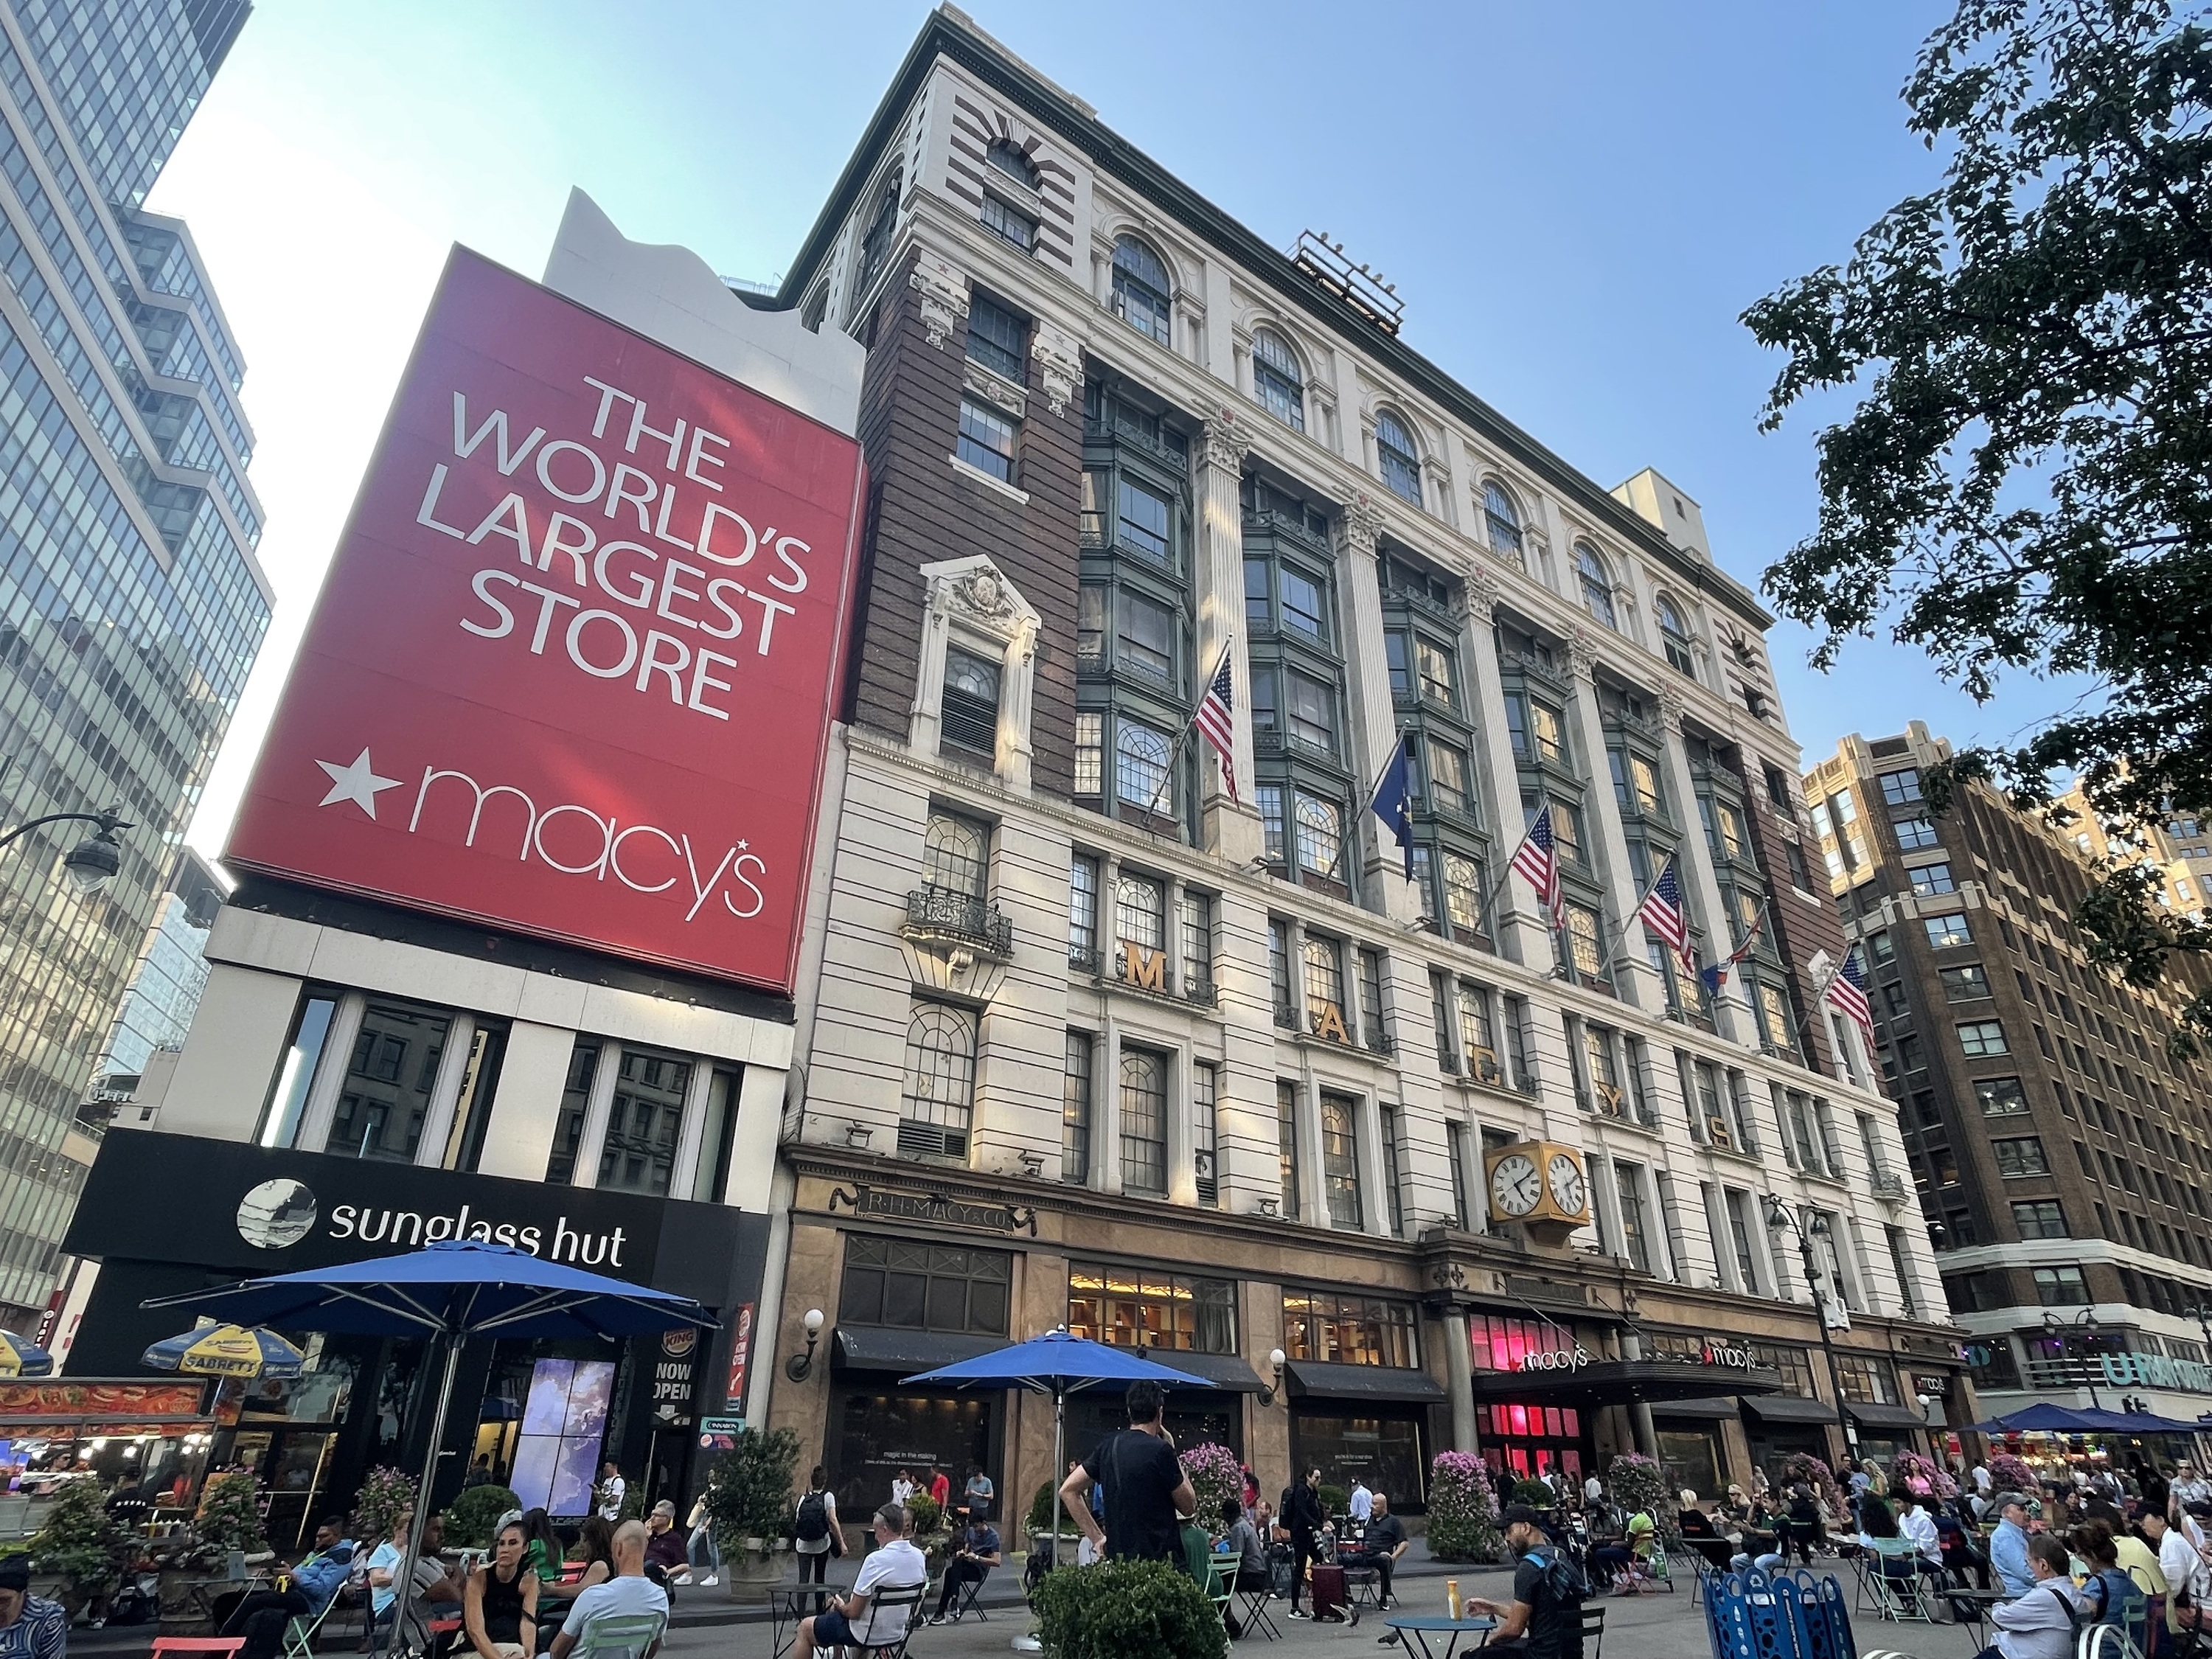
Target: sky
<point>1576,202</point>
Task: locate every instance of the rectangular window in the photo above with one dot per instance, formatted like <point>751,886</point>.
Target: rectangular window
<point>1278,971</point>
<point>1867,1381</point>
<point>1270,797</point>
<point>1196,913</point>
<point>1448,779</point>
<point>385,1096</point>
<point>1015,230</point>
<point>1083,911</point>
<point>1324,983</point>
<point>1075,1110</point>
<point>1397,650</point>
<point>1980,1038</point>
<point>1567,832</point>
<point>2019,1156</point>
<point>1131,1307</point>
<point>1310,712</point>
<point>923,1287</point>
<point>1440,1010</point>
<point>1900,788</point>
<point>1287,1146</point>
<point>1519,1056</point>
<point>576,1101</point>
<point>997,338</point>
<point>1348,1330</point>
<point>645,1122</point>
<point>986,439</point>
<point>1142,526</point>
<point>1913,834</point>
<point>1388,1120</point>
<point>1439,674</point>
<point>1144,1122</point>
<point>940,1081</point>
<point>1302,604</point>
<point>1738,1205</point>
<point>1455,1149</point>
<point>1145,643</point>
<point>1205,1095</point>
<point>2040,1219</point>
<point>1374,1023</point>
<point>1946,931</point>
<point>1880,951</point>
<point>1635,1238</point>
<point>1341,1160</point>
<point>288,1089</point>
<point>2061,1287</point>
<point>1546,729</point>
<point>1481,1049</point>
<point>1930,880</point>
<point>1965,984</point>
<point>1909,1304</point>
<point>1090,754</point>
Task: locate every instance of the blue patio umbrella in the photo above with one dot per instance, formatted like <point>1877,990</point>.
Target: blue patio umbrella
<point>21,1356</point>
<point>448,1293</point>
<point>2043,1418</point>
<point>1059,1365</point>
<point>214,1349</point>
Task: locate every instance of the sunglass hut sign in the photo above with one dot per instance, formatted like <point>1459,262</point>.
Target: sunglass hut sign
<point>277,1214</point>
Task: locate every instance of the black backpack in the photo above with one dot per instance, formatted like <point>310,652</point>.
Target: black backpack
<point>813,1519</point>
<point>1563,1580</point>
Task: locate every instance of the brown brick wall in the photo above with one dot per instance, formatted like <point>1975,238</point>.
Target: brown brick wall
<point>924,512</point>
<point>1800,930</point>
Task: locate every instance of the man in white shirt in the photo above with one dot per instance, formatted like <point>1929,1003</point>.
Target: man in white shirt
<point>612,1490</point>
<point>1981,1479</point>
<point>894,1565</point>
<point>629,1591</point>
<point>1914,1522</point>
<point>1362,1501</point>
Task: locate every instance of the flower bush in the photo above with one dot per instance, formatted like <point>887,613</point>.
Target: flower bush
<point>1803,1466</point>
<point>1128,1610</point>
<point>1636,1483</point>
<point>1917,1475</point>
<point>230,1516</point>
<point>2012,1475</point>
<point>385,1500</point>
<point>1214,1474</point>
<point>1536,1494</point>
<point>1462,1509</point>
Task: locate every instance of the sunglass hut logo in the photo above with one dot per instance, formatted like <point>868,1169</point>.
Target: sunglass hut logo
<point>277,1214</point>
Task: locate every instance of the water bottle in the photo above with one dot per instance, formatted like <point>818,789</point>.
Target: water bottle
<point>1451,1600</point>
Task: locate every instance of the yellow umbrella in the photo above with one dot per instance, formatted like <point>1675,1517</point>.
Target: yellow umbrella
<point>213,1349</point>
<point>21,1356</point>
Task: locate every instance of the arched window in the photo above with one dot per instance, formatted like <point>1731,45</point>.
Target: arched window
<point>1597,584</point>
<point>1321,837</point>
<point>1009,159</point>
<point>876,243</point>
<point>1142,289</point>
<point>940,1081</point>
<point>953,855</point>
<point>1674,637</point>
<point>1503,520</point>
<point>1276,380</point>
<point>1144,1121</point>
<point>1140,768</point>
<point>1401,465</point>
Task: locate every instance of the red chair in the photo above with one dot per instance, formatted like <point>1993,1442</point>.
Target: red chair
<point>213,1647</point>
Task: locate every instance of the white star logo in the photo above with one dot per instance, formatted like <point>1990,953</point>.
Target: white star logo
<point>357,783</point>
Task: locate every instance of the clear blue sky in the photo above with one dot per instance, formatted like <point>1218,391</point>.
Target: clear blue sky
<point>1575,201</point>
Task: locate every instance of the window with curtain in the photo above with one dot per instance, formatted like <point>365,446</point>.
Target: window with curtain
<point>1134,1308</point>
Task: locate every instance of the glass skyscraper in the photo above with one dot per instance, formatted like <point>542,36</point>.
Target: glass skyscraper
<point>130,603</point>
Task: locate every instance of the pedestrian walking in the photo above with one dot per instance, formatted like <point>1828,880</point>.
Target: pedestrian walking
<point>814,1533</point>
<point>1303,1517</point>
<point>1146,1491</point>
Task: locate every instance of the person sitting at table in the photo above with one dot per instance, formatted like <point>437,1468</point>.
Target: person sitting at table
<point>314,1581</point>
<point>431,1594</point>
<point>2040,1624</point>
<point>666,1562</point>
<point>1545,1618</point>
<point>1386,1541</point>
<point>1241,1538</point>
<point>499,1614</point>
<point>544,1552</point>
<point>970,1562</point>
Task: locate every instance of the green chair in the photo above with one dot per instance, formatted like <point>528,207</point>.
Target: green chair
<point>618,1636</point>
<point>299,1632</point>
<point>1220,1577</point>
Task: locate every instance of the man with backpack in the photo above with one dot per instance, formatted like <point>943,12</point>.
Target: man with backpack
<point>1544,1620</point>
<point>814,1535</point>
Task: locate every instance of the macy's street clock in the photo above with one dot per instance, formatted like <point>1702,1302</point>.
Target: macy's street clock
<point>1540,1184</point>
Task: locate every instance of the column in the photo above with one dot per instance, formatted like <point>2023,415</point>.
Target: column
<point>322,1108</point>
<point>445,1093</point>
<point>1522,933</point>
<point>1639,1412</point>
<point>1371,716</point>
<point>1731,1012</point>
<point>1374,1193</point>
<point>1634,980</point>
<point>1231,828</point>
<point>1458,1365</point>
<point>1183,1162</point>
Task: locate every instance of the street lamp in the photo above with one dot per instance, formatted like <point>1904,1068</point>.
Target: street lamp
<point>1780,1219</point>
<point>95,861</point>
<point>2087,1321</point>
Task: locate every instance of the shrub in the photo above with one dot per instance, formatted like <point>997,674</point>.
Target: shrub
<point>1636,1483</point>
<point>926,1514</point>
<point>1128,1610</point>
<point>230,1516</point>
<point>1462,1509</point>
<point>1536,1494</point>
<point>81,1542</point>
<point>1803,1466</point>
<point>749,1493</point>
<point>1038,1521</point>
<point>1214,1473</point>
<point>385,1499</point>
<point>475,1512</point>
<point>1332,1498</point>
<point>2012,1475</point>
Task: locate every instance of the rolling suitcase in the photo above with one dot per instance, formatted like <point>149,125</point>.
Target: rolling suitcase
<point>1327,1586</point>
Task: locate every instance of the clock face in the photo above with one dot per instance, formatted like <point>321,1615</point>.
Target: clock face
<point>1515,1184</point>
<point>1568,1191</point>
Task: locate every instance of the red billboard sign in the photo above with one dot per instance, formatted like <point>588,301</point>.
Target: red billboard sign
<point>572,668</point>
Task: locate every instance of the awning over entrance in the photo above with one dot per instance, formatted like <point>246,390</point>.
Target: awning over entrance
<point>1790,1408</point>
<point>1223,1370</point>
<point>878,1348</point>
<point>1616,1381</point>
<point>1715,1408</point>
<point>1319,1380</point>
<point>1886,1417</point>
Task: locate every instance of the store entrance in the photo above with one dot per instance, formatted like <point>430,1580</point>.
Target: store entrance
<point>1529,1441</point>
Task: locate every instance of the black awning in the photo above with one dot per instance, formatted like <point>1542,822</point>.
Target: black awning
<point>1790,1408</point>
<point>1223,1370</point>
<point>902,1353</point>
<point>1618,1382</point>
<point>1886,1417</point>
<point>1317,1379</point>
<point>1713,1407</point>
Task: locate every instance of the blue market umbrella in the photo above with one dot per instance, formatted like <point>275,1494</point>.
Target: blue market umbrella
<point>2041,1419</point>
<point>212,1349</point>
<point>1058,1364</point>
<point>21,1356</point>
<point>454,1290</point>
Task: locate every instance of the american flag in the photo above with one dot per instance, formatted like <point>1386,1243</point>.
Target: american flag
<point>1847,990</point>
<point>1662,912</point>
<point>1215,718</point>
<point>1717,975</point>
<point>1535,859</point>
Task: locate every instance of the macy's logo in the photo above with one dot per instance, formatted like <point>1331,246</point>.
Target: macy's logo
<point>587,844</point>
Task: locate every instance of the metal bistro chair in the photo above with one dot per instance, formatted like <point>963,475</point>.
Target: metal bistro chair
<point>1593,1630</point>
<point>891,1647</point>
<point>1901,1598</point>
<point>299,1632</point>
<point>1220,1576</point>
<point>1252,1608</point>
<point>619,1636</point>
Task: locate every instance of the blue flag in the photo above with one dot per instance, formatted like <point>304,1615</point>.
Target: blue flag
<point>1394,800</point>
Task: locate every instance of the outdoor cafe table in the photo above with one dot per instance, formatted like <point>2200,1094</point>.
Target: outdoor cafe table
<point>1972,1607</point>
<point>1414,1630</point>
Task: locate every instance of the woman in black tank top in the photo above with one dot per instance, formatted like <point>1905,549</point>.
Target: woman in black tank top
<point>500,1614</point>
